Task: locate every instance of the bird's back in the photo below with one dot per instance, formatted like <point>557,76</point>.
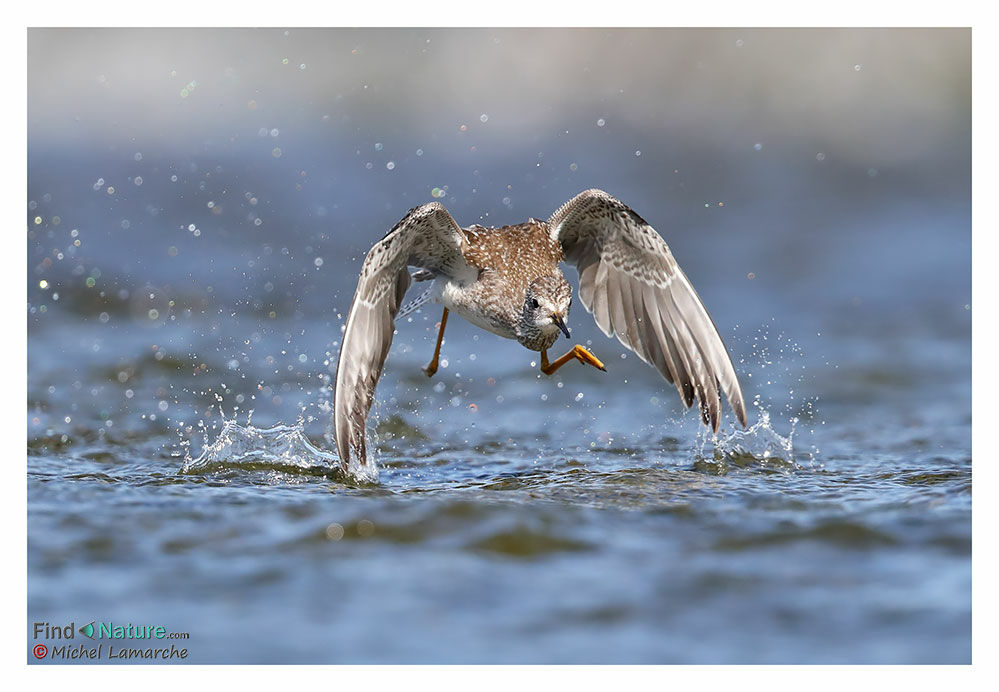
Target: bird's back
<point>519,253</point>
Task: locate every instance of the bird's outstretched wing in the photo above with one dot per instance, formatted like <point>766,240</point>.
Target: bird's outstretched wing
<point>426,237</point>
<point>636,291</point>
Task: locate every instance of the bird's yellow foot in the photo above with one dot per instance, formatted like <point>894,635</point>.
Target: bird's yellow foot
<point>578,352</point>
<point>585,356</point>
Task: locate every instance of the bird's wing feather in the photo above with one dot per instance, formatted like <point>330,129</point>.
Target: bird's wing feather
<point>637,292</point>
<point>427,237</point>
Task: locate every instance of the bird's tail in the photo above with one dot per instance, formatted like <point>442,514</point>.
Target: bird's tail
<point>416,303</point>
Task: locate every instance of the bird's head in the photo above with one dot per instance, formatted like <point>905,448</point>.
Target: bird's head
<point>546,305</point>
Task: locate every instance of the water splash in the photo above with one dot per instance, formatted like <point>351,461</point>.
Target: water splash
<point>759,446</point>
<point>280,448</point>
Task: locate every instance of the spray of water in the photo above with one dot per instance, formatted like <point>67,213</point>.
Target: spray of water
<point>774,360</point>
<point>780,373</point>
<point>758,446</point>
<point>280,448</point>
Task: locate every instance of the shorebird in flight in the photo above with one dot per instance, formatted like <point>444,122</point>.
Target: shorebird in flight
<point>508,281</point>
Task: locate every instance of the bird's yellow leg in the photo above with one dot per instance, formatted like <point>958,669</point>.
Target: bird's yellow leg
<point>577,352</point>
<point>432,367</point>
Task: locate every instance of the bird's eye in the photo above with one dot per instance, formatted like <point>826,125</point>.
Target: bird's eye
<point>534,303</point>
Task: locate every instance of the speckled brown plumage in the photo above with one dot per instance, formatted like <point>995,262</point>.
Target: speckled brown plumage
<point>508,281</point>
<point>509,259</point>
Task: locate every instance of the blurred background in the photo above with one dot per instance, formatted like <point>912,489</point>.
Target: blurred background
<point>783,152</point>
<point>200,201</point>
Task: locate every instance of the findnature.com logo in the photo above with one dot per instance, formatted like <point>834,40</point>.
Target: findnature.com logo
<point>99,632</point>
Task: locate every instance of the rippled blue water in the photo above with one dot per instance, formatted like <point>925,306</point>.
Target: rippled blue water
<point>517,518</point>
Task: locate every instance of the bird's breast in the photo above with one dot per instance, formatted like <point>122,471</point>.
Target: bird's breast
<point>483,308</point>
<point>539,339</point>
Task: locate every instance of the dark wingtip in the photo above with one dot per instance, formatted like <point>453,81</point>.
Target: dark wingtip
<point>707,416</point>
<point>740,414</point>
